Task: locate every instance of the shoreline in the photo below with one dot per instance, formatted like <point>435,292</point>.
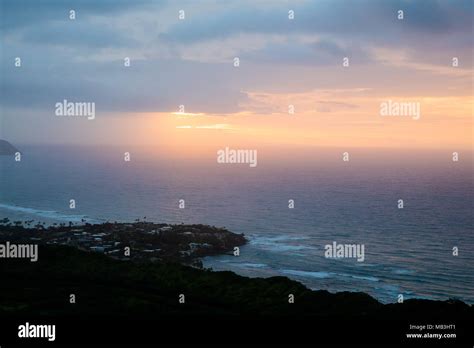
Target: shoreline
<point>143,241</point>
<point>172,290</point>
<point>165,287</point>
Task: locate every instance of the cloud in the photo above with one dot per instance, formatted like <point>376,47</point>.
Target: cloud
<point>77,35</point>
<point>429,28</point>
<point>18,14</point>
<point>373,19</point>
<point>321,100</point>
<point>320,52</point>
<point>217,126</point>
<point>190,62</point>
<point>148,85</point>
<point>329,106</point>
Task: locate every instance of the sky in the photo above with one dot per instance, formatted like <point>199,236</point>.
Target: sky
<point>283,62</point>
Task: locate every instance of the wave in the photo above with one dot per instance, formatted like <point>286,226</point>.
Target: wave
<point>277,243</point>
<point>368,278</point>
<point>251,265</point>
<point>280,238</point>
<point>402,271</point>
<point>322,275</point>
<point>309,274</point>
<point>49,214</point>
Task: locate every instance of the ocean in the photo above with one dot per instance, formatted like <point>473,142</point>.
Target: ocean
<point>408,251</point>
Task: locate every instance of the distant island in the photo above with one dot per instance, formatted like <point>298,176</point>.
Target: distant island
<point>7,149</point>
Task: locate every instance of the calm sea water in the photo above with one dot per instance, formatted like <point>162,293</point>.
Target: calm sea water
<point>407,251</point>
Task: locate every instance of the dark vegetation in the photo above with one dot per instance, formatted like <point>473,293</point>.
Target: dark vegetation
<point>115,288</point>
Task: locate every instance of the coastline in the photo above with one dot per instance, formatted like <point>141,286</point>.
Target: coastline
<point>80,290</point>
<point>111,288</point>
<point>178,248</point>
